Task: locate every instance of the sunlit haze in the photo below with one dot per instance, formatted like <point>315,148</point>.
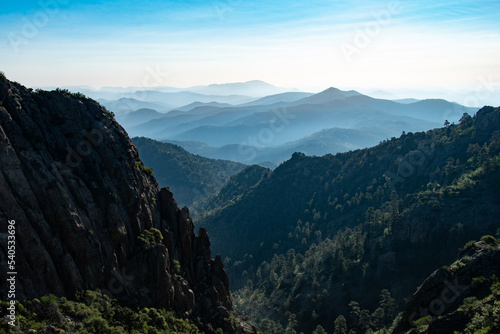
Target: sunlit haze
<point>448,49</point>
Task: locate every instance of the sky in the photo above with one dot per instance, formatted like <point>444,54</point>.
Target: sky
<point>407,48</point>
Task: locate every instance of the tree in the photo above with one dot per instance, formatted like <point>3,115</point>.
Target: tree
<point>446,123</point>
<point>292,324</point>
<point>319,330</point>
<point>365,321</point>
<point>355,312</point>
<point>466,119</point>
<point>378,318</point>
<point>340,325</point>
<point>388,305</point>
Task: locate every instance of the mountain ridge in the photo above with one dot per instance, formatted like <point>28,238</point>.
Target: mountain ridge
<point>343,228</point>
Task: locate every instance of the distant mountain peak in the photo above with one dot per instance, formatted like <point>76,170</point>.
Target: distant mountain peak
<point>330,94</point>
<point>336,90</point>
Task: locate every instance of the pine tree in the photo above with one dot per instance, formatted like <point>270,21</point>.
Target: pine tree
<point>340,325</point>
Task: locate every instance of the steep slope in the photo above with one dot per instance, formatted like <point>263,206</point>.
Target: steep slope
<point>88,214</point>
<point>320,232</point>
<point>190,177</point>
<point>234,189</point>
<point>334,185</point>
<point>462,297</point>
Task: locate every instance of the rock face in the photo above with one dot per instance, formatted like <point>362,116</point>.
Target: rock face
<point>81,198</point>
<point>443,292</point>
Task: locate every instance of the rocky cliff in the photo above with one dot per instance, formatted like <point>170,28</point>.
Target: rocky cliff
<point>87,212</point>
<point>447,300</point>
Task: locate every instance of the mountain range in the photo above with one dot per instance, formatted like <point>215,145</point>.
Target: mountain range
<point>322,232</point>
<point>371,240</point>
<point>190,177</point>
<point>267,130</point>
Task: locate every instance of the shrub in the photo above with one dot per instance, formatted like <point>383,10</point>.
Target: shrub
<point>96,324</point>
<point>63,90</point>
<point>109,113</point>
<point>94,312</point>
<point>176,266</point>
<point>456,267</point>
<point>489,239</point>
<point>152,236</point>
<point>495,288</point>
<point>140,166</point>
<point>470,303</point>
<point>79,96</point>
<point>478,281</point>
<point>423,323</point>
<point>469,244</point>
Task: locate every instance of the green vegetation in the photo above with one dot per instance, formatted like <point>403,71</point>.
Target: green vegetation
<point>320,232</point>
<point>423,323</point>
<point>79,96</point>
<point>140,166</point>
<point>91,312</point>
<point>484,313</point>
<point>469,244</point>
<point>190,177</point>
<point>109,113</point>
<point>489,239</point>
<point>151,237</point>
<point>234,189</point>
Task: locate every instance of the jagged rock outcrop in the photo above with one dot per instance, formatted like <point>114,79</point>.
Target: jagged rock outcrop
<point>81,198</point>
<point>440,296</point>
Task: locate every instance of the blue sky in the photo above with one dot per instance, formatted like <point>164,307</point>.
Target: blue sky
<point>367,45</point>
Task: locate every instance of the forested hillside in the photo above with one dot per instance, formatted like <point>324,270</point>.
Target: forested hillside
<point>350,236</point>
<point>191,177</point>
